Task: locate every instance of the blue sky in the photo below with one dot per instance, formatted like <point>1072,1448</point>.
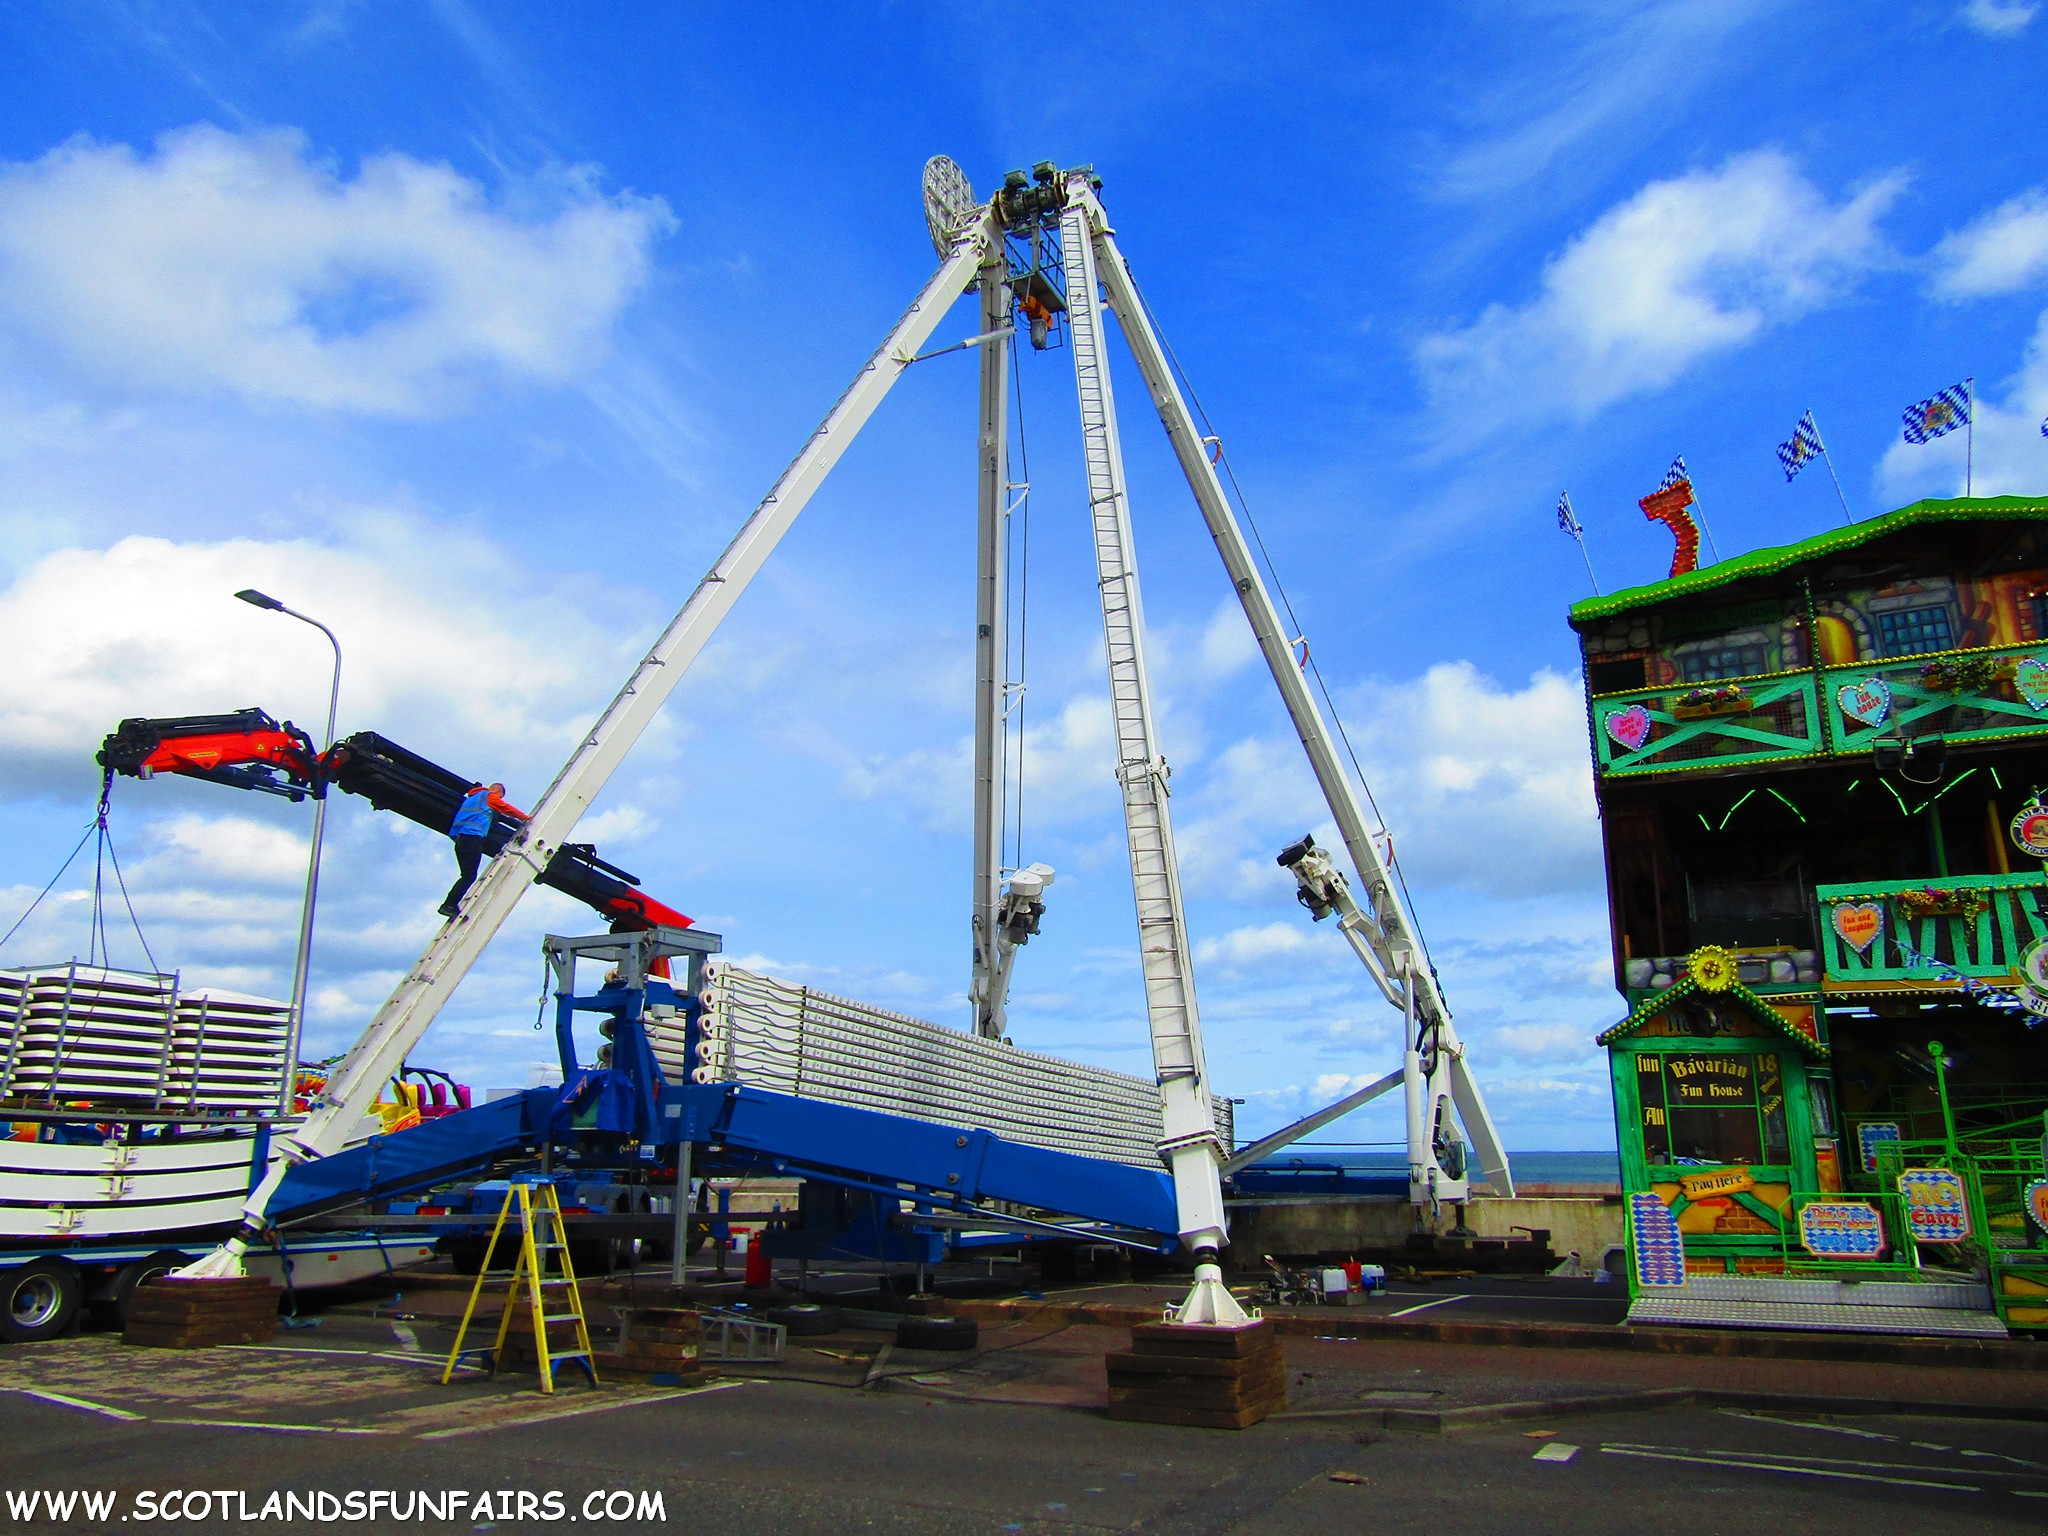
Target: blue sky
<point>477,331</point>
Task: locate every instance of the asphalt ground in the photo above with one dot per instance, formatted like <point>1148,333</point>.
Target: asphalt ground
<point>853,1433</point>
<point>794,1458</point>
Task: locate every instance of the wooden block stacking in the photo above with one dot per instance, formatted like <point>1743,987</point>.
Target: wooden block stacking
<point>659,1341</point>
<point>174,1313</point>
<point>1207,1377</point>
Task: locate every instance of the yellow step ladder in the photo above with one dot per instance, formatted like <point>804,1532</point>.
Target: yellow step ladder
<point>539,1209</point>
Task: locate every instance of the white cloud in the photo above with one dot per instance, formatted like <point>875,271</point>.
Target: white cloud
<point>1998,18</point>
<point>1228,645</point>
<point>1253,946</point>
<point>1687,268</point>
<point>1483,786</point>
<point>465,669</point>
<point>1584,91</point>
<point>1541,1042</point>
<point>238,262</point>
<point>2003,251</point>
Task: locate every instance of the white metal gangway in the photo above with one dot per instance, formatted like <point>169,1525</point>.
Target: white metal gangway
<point>974,242</point>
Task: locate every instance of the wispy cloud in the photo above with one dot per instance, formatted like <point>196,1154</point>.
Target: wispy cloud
<point>239,263</point>
<point>2002,252</point>
<point>1604,75</point>
<point>1998,18</point>
<point>1685,269</point>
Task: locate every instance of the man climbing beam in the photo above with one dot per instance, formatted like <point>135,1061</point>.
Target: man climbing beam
<point>471,831</point>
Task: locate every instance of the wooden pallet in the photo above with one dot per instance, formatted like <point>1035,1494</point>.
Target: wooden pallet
<point>174,1313</point>
<point>1207,1377</point>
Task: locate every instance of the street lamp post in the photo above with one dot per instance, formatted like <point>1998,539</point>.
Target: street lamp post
<point>257,599</point>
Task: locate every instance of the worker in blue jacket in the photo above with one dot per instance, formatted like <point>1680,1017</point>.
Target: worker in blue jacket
<point>471,828</point>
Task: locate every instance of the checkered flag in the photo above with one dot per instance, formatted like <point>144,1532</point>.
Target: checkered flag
<point>1568,520</point>
<point>1802,445</point>
<point>1674,474</point>
<point>1938,414</point>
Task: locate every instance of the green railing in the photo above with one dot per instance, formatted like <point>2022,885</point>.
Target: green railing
<point>1889,930</point>
<point>1960,695</point>
<point>1756,720</point>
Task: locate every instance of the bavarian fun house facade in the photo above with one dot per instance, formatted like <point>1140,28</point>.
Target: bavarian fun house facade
<point>1818,769</point>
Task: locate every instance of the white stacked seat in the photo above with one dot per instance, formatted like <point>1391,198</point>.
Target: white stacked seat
<point>89,1035</point>
<point>791,1039</point>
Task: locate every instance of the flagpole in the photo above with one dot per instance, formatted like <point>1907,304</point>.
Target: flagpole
<point>1969,435</point>
<point>1847,516</point>
<point>1712,548</point>
<point>1578,533</point>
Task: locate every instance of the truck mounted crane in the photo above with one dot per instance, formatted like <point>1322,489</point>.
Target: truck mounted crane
<point>247,749</point>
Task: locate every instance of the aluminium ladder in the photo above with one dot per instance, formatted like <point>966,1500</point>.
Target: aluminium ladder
<point>534,1198</point>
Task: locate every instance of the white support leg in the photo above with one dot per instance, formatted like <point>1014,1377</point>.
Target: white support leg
<point>1188,1141</point>
<point>398,1025</point>
<point>988,987</point>
<point>1385,930</point>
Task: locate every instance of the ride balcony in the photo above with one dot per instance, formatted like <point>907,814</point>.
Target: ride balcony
<point>1819,713</point>
<point>1882,935</point>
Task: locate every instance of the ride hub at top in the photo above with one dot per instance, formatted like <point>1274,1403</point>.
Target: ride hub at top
<point>1043,259</point>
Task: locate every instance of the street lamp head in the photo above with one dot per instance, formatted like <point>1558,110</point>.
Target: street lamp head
<point>257,599</point>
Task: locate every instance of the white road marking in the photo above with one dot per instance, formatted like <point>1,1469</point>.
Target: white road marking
<point>282,1429</point>
<point>1831,1429</point>
<point>1818,1461</point>
<point>1766,1466</point>
<point>2018,1461</point>
<point>1439,1302</point>
<point>570,1413</point>
<point>407,1339</point>
<point>75,1402</point>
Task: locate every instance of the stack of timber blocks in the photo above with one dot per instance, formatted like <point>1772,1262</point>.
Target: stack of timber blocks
<point>174,1313</point>
<point>1211,1378</point>
<point>661,1342</point>
<point>519,1353</point>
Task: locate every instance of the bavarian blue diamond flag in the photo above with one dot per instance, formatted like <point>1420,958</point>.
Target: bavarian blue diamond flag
<point>1938,414</point>
<point>1802,445</point>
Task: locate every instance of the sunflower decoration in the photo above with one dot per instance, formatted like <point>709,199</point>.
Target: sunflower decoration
<point>1712,967</point>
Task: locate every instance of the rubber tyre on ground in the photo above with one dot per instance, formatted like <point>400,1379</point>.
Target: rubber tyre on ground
<point>952,1333</point>
<point>113,1308</point>
<point>806,1319</point>
<point>39,1300</point>
<point>465,1253</point>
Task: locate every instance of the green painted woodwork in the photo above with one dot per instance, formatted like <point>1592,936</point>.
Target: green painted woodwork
<point>1987,945</point>
<point>1765,562</point>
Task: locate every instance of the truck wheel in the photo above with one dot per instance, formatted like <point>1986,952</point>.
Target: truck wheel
<point>954,1333</point>
<point>114,1309</point>
<point>806,1319</point>
<point>466,1253</point>
<point>38,1300</point>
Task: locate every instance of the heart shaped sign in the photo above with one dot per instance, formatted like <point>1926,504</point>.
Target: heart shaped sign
<point>1630,727</point>
<point>1869,701</point>
<point>2030,682</point>
<point>1859,923</point>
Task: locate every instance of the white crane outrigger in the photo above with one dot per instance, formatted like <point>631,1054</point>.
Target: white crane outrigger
<point>971,239</point>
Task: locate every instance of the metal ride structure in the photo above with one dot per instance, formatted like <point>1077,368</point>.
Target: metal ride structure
<point>1040,253</point>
